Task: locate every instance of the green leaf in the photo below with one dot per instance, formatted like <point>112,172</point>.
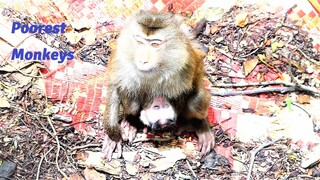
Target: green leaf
<point>219,39</point>
<point>289,103</point>
<point>261,57</point>
<point>7,139</point>
<point>274,47</point>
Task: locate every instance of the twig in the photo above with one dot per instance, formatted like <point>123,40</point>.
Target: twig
<point>259,47</point>
<point>308,58</point>
<point>305,176</point>
<point>47,130</point>
<point>144,138</point>
<point>309,115</point>
<point>286,13</point>
<point>254,51</point>
<point>193,173</point>
<point>25,114</point>
<point>254,153</point>
<point>255,91</point>
<point>152,152</point>
<point>85,146</point>
<point>229,55</point>
<point>304,54</point>
<point>291,87</point>
<point>58,147</point>
<point>39,166</point>
<point>253,84</point>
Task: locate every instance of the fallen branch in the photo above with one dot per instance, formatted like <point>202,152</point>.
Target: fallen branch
<point>253,84</point>
<point>255,152</point>
<point>85,146</point>
<point>291,87</point>
<point>254,91</point>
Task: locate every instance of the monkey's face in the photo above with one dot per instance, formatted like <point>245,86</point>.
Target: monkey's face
<point>159,115</point>
<point>147,54</point>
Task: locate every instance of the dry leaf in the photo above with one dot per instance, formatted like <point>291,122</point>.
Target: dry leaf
<point>75,176</point>
<point>171,156</point>
<point>146,176</point>
<point>267,42</point>
<point>285,77</point>
<point>130,156</point>
<point>73,37</point>
<point>89,36</point>
<point>214,29</point>
<point>131,169</point>
<point>303,99</point>
<point>276,45</point>
<point>92,174</point>
<point>4,102</point>
<point>96,160</point>
<point>242,19</point>
<point>249,65</point>
<point>219,39</point>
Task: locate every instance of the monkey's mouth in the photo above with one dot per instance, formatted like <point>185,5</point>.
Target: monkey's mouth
<point>147,68</point>
<point>146,71</point>
<point>163,127</point>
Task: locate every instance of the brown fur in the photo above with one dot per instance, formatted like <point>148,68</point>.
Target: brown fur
<point>178,77</point>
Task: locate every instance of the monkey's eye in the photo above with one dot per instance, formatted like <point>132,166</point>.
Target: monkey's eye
<point>139,42</point>
<point>139,39</point>
<point>156,107</point>
<point>155,43</point>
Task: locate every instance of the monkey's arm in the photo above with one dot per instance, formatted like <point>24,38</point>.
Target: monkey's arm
<point>111,116</point>
<point>111,124</point>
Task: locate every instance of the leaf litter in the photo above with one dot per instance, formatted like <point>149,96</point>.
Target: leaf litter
<point>254,43</point>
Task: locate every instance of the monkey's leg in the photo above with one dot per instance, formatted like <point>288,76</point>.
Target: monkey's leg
<point>197,111</point>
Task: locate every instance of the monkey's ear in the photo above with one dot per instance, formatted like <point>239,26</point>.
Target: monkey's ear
<point>180,19</point>
<point>138,14</point>
<point>113,44</point>
<point>141,11</point>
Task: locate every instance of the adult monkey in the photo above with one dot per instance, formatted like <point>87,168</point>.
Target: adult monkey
<point>155,57</point>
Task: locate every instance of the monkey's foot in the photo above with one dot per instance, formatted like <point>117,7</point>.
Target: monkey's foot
<point>206,143</point>
<point>109,146</point>
<point>129,132</point>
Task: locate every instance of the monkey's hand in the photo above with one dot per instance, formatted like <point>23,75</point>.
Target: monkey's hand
<point>112,141</point>
<point>206,142</point>
<point>109,146</point>
<point>129,132</point>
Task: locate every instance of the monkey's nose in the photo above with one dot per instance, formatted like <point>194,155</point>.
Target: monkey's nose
<point>144,61</point>
<point>170,122</point>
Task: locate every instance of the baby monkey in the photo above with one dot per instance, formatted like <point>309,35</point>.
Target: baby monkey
<point>159,115</point>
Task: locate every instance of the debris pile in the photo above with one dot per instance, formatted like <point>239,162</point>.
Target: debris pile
<point>251,46</point>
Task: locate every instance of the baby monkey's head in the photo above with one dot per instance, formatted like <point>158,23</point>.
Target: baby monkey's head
<point>159,115</point>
